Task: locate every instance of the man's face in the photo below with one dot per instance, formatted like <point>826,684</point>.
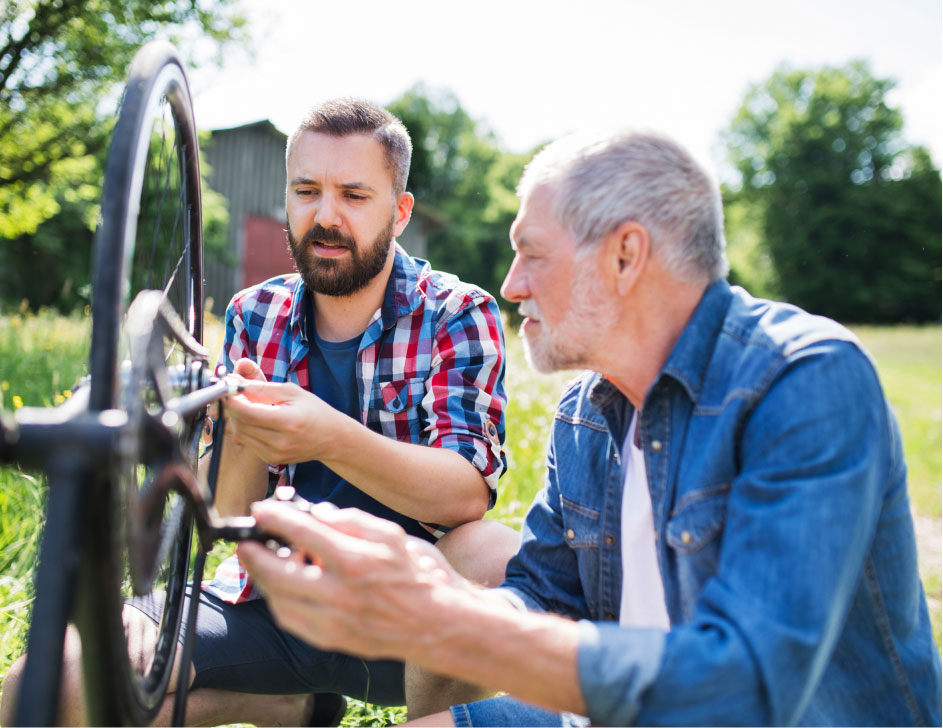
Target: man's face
<point>557,289</point>
<point>342,212</point>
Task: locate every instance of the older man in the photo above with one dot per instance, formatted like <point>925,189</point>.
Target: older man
<point>725,534</point>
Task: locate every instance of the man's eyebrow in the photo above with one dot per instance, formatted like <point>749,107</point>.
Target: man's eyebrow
<point>521,241</point>
<point>363,186</point>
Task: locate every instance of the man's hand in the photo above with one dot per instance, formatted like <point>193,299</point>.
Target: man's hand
<point>280,423</point>
<point>353,582</point>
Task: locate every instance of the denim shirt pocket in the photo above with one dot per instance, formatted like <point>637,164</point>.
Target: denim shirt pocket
<point>582,529</point>
<point>692,533</point>
<point>397,401</point>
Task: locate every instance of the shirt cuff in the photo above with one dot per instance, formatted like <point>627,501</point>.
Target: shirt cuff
<point>616,665</point>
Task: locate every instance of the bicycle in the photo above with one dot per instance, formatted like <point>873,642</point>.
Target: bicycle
<point>121,455</point>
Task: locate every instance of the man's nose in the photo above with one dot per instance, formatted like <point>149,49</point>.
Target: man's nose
<point>514,288</point>
<point>328,212</point>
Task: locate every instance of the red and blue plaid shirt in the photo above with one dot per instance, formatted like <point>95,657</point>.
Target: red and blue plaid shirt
<point>430,367</point>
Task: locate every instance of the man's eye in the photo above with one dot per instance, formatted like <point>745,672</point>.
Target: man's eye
<point>305,193</point>
<point>355,196</point>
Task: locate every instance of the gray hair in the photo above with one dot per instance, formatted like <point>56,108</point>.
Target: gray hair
<point>600,182</point>
<point>342,117</point>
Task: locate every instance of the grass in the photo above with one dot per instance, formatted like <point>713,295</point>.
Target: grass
<point>43,355</point>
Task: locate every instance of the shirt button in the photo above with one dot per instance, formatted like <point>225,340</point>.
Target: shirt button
<point>610,540</point>
<point>685,537</point>
<point>570,534</point>
<point>610,615</point>
<point>656,445</point>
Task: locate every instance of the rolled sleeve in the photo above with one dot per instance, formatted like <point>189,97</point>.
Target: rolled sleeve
<point>464,400</point>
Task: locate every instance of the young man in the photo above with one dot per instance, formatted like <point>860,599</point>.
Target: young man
<point>376,383</point>
<point>725,535</point>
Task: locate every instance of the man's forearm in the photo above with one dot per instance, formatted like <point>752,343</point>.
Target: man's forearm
<point>242,479</point>
<point>427,483</point>
<point>532,656</point>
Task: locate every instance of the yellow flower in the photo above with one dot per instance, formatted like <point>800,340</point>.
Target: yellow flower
<point>59,399</point>
<point>67,393</point>
<point>17,401</point>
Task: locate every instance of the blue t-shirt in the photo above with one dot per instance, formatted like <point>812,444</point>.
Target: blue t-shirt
<point>332,370</point>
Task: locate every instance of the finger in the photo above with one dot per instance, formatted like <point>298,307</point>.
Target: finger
<point>278,576</point>
<point>264,392</point>
<point>374,541</point>
<point>248,369</point>
<point>300,530</point>
<point>359,524</point>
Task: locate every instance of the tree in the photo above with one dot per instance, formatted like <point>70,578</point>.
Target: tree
<point>459,170</point>
<point>849,213</point>
<point>59,63</point>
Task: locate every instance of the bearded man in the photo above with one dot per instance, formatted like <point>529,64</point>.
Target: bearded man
<point>374,382</point>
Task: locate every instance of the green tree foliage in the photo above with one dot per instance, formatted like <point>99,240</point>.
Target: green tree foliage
<point>61,66</point>
<point>848,212</point>
<point>460,172</point>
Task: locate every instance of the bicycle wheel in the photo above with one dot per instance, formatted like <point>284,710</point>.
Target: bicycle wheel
<point>150,237</point>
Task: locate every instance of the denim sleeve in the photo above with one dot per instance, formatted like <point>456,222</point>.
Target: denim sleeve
<point>544,573</point>
<point>814,457</point>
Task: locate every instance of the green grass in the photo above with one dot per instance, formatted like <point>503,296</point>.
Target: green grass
<point>43,355</point>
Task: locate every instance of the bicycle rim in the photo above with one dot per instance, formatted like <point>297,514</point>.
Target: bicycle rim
<point>150,237</point>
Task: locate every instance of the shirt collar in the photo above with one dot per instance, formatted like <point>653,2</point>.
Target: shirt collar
<point>691,354</point>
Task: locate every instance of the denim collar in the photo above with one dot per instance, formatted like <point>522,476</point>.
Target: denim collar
<point>692,352</point>
<point>402,295</point>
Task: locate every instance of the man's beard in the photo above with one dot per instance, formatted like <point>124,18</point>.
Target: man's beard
<point>336,277</point>
<point>570,343</point>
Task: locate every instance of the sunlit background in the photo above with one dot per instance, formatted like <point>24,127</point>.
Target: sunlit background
<point>533,71</point>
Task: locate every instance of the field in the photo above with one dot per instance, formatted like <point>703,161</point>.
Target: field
<point>43,355</point>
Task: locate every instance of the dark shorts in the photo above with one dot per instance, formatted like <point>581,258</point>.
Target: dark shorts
<point>238,647</point>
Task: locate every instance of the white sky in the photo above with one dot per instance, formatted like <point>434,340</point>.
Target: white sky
<point>534,70</point>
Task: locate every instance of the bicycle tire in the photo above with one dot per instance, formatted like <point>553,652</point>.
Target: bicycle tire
<point>156,108</point>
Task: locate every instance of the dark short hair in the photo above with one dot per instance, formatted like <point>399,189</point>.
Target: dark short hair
<point>342,117</point>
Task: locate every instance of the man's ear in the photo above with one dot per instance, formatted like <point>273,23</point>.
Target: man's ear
<point>628,248</point>
<point>404,209</point>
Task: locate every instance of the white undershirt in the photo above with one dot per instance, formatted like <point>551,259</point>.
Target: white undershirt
<point>643,594</point>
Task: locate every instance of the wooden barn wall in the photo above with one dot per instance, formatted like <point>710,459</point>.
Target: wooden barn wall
<point>248,168</point>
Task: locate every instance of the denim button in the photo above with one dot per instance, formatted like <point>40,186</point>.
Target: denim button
<point>570,534</point>
<point>656,445</point>
<point>610,540</point>
<point>685,537</point>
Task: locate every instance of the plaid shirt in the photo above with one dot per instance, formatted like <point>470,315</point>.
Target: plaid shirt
<point>430,367</point>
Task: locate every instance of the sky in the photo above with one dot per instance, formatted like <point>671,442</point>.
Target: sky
<point>535,70</point>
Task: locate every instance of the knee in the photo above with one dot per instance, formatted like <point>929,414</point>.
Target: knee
<point>11,686</point>
<point>480,550</point>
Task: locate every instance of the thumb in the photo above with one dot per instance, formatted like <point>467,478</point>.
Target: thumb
<point>248,369</point>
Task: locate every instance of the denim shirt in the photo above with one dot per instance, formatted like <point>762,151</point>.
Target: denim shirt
<point>783,533</point>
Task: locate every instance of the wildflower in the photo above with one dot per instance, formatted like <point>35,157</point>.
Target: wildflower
<point>59,399</point>
<point>66,393</point>
<point>17,401</point>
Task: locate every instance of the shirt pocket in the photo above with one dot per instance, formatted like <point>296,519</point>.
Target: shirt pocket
<point>394,408</point>
<point>693,533</point>
<point>581,532</point>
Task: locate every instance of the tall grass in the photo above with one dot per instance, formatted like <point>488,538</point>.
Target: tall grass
<point>43,355</point>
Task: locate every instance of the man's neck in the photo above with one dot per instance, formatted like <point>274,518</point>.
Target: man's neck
<point>340,318</point>
<point>632,355</point>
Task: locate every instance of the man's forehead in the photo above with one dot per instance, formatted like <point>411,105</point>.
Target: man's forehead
<point>349,154</point>
<point>535,218</point>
